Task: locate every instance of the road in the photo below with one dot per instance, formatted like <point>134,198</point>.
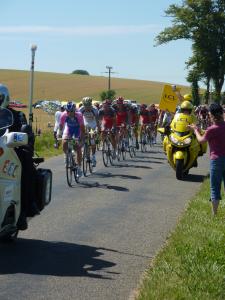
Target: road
<point>94,241</point>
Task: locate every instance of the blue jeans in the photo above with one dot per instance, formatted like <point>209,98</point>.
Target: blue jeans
<point>217,175</point>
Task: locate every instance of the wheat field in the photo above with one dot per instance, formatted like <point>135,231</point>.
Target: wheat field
<point>65,87</point>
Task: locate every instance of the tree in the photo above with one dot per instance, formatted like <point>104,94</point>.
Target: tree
<point>193,77</point>
<point>80,72</point>
<point>109,94</point>
<point>203,23</point>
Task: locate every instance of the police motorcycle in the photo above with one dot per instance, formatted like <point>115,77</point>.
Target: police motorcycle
<point>180,144</point>
<point>10,178</point>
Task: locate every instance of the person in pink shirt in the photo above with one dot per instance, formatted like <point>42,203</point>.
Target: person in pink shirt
<point>215,136</point>
<point>72,125</point>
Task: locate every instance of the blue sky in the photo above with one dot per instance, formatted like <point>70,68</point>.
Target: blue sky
<point>91,34</point>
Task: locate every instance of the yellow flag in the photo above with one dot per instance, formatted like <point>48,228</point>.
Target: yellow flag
<point>169,99</point>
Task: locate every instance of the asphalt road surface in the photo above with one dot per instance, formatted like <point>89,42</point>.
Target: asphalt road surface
<point>95,240</point>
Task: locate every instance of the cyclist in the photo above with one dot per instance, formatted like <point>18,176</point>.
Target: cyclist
<point>107,117</point>
<point>91,121</point>
<point>122,117</point>
<point>153,120</point>
<point>134,121</point>
<point>203,116</point>
<point>144,117</point>
<point>72,125</point>
<point>56,127</point>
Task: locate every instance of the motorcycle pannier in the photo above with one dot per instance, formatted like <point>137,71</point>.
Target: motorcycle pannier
<point>44,187</point>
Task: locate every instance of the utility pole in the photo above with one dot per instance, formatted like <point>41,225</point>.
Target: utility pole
<point>109,72</point>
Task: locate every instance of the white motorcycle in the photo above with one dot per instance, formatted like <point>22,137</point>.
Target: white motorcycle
<point>10,178</point>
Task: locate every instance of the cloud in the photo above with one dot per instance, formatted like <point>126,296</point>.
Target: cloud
<point>80,31</point>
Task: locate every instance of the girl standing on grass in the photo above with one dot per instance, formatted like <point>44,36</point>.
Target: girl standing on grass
<point>215,136</point>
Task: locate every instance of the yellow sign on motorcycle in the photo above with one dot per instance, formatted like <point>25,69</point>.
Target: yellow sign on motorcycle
<point>168,100</point>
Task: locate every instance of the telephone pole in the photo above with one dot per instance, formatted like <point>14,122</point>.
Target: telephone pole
<point>109,72</point>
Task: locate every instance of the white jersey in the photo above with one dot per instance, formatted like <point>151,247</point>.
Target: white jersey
<point>57,120</point>
<point>90,117</point>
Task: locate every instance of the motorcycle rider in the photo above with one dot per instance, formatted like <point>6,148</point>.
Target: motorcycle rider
<point>186,108</point>
<point>25,154</point>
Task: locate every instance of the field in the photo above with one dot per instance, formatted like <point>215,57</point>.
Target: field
<point>73,87</point>
<point>65,87</point>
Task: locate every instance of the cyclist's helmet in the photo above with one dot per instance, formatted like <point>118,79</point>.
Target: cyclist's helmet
<point>143,106</point>
<point>96,104</point>
<point>120,100</point>
<point>188,97</point>
<point>87,101</point>
<point>108,101</point>
<point>186,106</point>
<point>70,106</point>
<point>4,96</point>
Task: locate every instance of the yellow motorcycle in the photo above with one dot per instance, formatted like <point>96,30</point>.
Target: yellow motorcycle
<point>181,146</point>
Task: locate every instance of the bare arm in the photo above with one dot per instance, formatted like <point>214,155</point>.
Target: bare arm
<point>201,138</point>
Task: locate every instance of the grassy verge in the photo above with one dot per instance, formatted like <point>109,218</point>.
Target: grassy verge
<point>44,145</point>
<point>192,263</point>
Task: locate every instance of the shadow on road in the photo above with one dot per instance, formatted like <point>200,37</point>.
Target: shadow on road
<point>144,161</point>
<point>108,174</point>
<point>151,157</point>
<point>86,184</point>
<point>52,258</point>
<point>195,178</point>
<point>131,166</point>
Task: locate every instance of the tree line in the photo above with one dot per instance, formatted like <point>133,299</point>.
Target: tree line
<point>203,23</point>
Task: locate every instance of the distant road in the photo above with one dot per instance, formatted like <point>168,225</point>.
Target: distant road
<point>94,241</point>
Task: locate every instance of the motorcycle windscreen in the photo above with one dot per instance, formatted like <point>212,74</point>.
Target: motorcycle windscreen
<point>6,118</point>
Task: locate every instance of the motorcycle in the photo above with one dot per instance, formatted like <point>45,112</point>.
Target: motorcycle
<point>10,178</point>
<point>181,146</point>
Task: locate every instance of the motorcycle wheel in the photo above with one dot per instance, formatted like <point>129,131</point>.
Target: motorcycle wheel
<point>179,169</point>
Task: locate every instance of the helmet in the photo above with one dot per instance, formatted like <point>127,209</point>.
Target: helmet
<point>4,96</point>
<point>128,103</point>
<point>188,97</point>
<point>186,105</point>
<point>87,101</point>
<point>119,100</point>
<point>96,104</point>
<point>108,101</point>
<point>143,106</point>
<point>70,106</point>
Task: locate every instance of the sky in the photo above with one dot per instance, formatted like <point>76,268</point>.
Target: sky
<point>90,35</point>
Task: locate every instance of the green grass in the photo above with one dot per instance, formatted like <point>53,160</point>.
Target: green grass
<point>192,263</point>
<point>44,145</point>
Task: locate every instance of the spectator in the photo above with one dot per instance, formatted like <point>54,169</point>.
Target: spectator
<point>215,136</point>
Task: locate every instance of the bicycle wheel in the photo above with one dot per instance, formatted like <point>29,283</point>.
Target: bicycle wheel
<point>124,148</point>
<point>105,156</point>
<point>76,177</point>
<point>110,153</point>
<point>69,168</point>
<point>85,160</point>
<point>150,139</point>
<point>143,139</point>
<point>119,150</point>
<point>131,146</point>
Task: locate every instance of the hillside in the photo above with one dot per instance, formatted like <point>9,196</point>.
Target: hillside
<point>73,87</point>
